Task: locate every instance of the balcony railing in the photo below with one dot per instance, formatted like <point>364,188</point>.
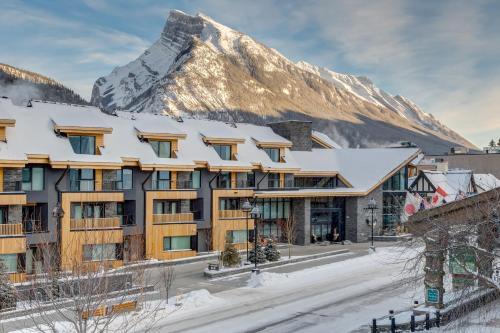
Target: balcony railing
<point>245,184</point>
<point>232,214</point>
<point>82,185</point>
<point>166,184</point>
<point>173,218</point>
<point>11,229</point>
<point>34,226</point>
<point>95,223</point>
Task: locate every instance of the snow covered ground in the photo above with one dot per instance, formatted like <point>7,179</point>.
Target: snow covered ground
<point>338,297</point>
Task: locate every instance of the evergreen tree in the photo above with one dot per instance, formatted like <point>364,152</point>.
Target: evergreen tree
<point>271,252</point>
<point>492,143</point>
<point>498,144</point>
<point>231,256</point>
<point>7,291</point>
<point>261,256</point>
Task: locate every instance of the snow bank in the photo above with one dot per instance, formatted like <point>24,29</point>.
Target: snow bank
<point>265,279</point>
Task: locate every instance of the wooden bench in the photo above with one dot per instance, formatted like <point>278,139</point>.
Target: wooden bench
<point>98,312</point>
<point>213,266</point>
<point>123,307</point>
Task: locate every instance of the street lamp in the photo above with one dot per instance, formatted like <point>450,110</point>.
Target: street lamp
<point>247,208</point>
<point>255,214</point>
<point>372,206</point>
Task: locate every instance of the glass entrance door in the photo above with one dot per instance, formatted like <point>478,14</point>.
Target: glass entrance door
<point>326,225</point>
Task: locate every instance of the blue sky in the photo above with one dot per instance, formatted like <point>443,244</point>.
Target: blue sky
<point>444,55</point>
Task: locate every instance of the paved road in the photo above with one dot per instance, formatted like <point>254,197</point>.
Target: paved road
<point>324,298</point>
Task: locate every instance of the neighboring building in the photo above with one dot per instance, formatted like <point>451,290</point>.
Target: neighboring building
<point>92,186</point>
<point>485,182</point>
<point>477,162</point>
<point>456,183</point>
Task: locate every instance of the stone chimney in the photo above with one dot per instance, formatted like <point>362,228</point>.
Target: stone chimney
<point>297,131</point>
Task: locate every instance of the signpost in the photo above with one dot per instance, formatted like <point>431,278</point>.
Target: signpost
<point>432,295</point>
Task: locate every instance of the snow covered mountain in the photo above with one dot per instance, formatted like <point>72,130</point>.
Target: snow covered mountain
<point>201,68</point>
<point>22,85</point>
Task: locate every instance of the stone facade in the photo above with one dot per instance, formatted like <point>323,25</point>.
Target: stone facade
<point>110,209</point>
<point>301,212</point>
<point>357,228</point>
<point>185,206</point>
<point>15,214</point>
<point>109,178</point>
<point>12,179</point>
<point>299,132</point>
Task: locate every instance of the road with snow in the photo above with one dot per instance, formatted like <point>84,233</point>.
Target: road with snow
<point>338,297</point>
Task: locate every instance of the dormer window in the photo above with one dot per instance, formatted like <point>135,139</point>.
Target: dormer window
<point>273,153</point>
<point>83,144</point>
<point>224,151</point>
<point>162,149</point>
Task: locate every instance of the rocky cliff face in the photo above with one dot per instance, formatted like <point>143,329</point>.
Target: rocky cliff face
<point>22,85</point>
<point>201,68</point>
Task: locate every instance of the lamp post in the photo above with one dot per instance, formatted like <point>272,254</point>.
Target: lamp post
<point>247,208</point>
<point>372,206</point>
<point>255,216</point>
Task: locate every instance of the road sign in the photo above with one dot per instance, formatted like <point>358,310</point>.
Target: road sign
<point>432,295</point>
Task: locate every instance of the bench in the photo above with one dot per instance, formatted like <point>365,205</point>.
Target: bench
<point>98,312</point>
<point>213,266</point>
<point>123,307</point>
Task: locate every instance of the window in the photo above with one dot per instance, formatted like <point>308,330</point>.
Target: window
<point>236,236</point>
<point>224,151</point>
<point>4,214</point>
<point>273,180</point>
<point>81,179</point>
<point>161,180</point>
<point>124,179</point>
<point>230,203</point>
<point>97,252</point>
<point>398,182</point>
<point>32,179</point>
<point>176,243</point>
<point>83,144</point>
<point>9,262</point>
<point>224,180</point>
<point>196,178</point>
<point>162,148</point>
<point>273,153</point>
<point>274,208</point>
<point>35,218</point>
<point>87,210</point>
<point>167,207</point>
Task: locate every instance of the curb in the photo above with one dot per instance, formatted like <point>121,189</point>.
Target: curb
<point>216,274</point>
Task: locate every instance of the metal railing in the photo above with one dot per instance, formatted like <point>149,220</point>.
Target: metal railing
<point>245,184</point>
<point>82,185</point>
<point>31,226</point>
<point>173,218</point>
<point>11,229</point>
<point>232,214</point>
<point>95,223</point>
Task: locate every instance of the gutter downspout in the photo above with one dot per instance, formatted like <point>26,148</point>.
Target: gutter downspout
<point>59,217</point>
<point>143,186</point>
<point>212,202</point>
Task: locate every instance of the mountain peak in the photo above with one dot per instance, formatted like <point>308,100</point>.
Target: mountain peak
<point>202,68</point>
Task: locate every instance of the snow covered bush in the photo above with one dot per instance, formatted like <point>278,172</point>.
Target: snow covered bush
<point>7,291</point>
<point>231,256</point>
<point>261,256</point>
<point>271,251</point>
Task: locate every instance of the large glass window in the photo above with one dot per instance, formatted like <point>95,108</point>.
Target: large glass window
<point>97,252</point>
<point>176,243</point>
<point>4,213</point>
<point>81,179</point>
<point>167,206</point>
<point>161,180</point>
<point>224,180</point>
<point>162,148</point>
<point>35,218</point>
<point>83,144</point>
<point>236,236</point>
<point>273,153</point>
<point>32,179</point>
<point>398,182</point>
<point>230,203</point>
<point>274,208</point>
<point>9,262</point>
<point>87,210</point>
<point>273,180</point>
<point>124,179</point>
<point>393,204</point>
<point>196,178</point>
<point>224,151</point>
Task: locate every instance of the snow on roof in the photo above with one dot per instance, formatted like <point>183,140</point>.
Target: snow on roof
<point>353,164</point>
<point>34,134</point>
<point>486,181</point>
<point>325,138</point>
<point>452,182</point>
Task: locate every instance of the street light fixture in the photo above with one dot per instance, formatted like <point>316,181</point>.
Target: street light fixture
<point>255,214</point>
<point>372,206</point>
<point>247,208</point>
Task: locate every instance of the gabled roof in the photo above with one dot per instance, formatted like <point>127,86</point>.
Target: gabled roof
<point>452,182</point>
<point>486,181</point>
<point>324,140</point>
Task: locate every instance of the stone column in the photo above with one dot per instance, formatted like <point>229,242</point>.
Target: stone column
<point>435,256</point>
<point>15,214</point>
<point>301,212</point>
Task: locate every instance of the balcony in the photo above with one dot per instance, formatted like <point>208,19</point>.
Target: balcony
<point>93,185</point>
<point>98,223</point>
<point>32,226</point>
<point>232,214</point>
<point>173,218</point>
<point>245,184</point>
<point>11,229</point>
<point>165,184</point>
